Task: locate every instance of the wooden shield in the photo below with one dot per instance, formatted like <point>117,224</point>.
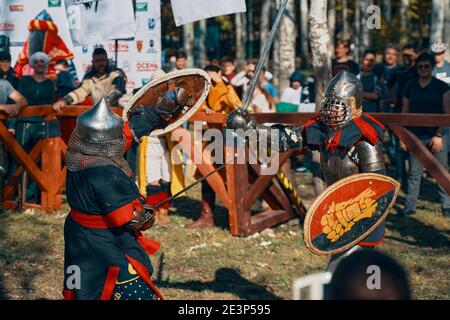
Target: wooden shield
<point>195,81</point>
<point>348,211</point>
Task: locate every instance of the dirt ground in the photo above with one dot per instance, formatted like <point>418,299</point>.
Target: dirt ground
<point>212,264</point>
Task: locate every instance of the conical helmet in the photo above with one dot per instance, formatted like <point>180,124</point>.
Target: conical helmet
<point>336,110</point>
<point>99,124</point>
<point>43,15</point>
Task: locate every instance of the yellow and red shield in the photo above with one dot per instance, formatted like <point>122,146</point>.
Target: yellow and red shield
<point>348,211</point>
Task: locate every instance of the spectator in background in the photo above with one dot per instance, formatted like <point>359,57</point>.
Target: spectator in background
<point>228,67</point>
<point>6,72</point>
<point>426,94</point>
<point>395,86</point>
<point>39,90</point>
<point>291,96</point>
<point>102,81</point>
<point>351,279</point>
<point>8,93</point>
<point>442,72</point>
<point>369,81</point>
<point>241,81</point>
<point>180,60</point>
<point>65,82</point>
<point>442,68</point>
<point>342,59</point>
<point>384,71</point>
<point>400,78</point>
<point>269,87</point>
<point>262,100</point>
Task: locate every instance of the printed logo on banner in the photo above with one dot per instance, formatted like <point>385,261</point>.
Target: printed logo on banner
<point>142,6</point>
<point>121,47</point>
<point>139,45</point>
<point>144,81</point>
<point>54,3</point>
<point>7,26</point>
<point>151,23</point>
<point>151,46</point>
<point>144,66</point>
<point>16,7</point>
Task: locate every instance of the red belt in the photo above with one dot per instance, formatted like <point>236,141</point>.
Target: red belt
<point>117,218</point>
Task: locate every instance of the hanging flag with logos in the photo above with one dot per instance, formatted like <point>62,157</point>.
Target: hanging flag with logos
<point>94,21</point>
<point>194,10</point>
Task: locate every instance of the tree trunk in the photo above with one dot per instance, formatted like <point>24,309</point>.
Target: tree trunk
<point>446,36</point>
<point>387,11</point>
<point>202,41</point>
<point>284,65</point>
<point>404,22</point>
<point>304,31</point>
<point>240,45</point>
<point>332,22</point>
<point>320,39</point>
<point>188,42</point>
<point>437,21</point>
<point>364,42</point>
<point>265,24</point>
<point>356,34</point>
<point>345,30</point>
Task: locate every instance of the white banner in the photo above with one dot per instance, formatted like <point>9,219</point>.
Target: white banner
<point>138,58</point>
<point>185,11</point>
<point>93,21</point>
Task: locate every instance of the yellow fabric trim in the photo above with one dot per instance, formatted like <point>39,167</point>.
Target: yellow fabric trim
<point>126,281</point>
<point>142,175</point>
<point>177,183</point>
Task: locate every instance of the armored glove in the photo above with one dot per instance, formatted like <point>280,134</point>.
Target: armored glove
<point>144,120</point>
<point>341,217</point>
<point>288,138</point>
<point>143,220</point>
<point>240,119</point>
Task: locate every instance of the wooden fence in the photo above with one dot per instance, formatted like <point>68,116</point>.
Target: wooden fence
<point>238,189</point>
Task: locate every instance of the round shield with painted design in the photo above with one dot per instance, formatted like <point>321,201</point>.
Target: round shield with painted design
<point>195,81</point>
<point>348,211</point>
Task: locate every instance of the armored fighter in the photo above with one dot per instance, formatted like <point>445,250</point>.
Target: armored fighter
<point>349,141</point>
<point>106,256</point>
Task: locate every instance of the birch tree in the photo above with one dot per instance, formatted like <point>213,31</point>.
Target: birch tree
<point>356,31</point>
<point>345,30</point>
<point>188,42</point>
<point>265,23</point>
<point>404,21</point>
<point>284,52</point>
<point>437,21</point>
<point>239,31</point>
<point>387,11</point>
<point>202,42</point>
<point>304,30</point>
<point>332,22</point>
<point>319,40</point>
<point>446,35</point>
<point>321,58</point>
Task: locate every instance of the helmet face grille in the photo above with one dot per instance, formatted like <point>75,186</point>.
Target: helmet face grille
<point>335,112</point>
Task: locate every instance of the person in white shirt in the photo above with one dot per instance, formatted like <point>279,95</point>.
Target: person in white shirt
<point>293,94</point>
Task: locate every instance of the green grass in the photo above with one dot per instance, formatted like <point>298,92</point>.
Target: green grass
<point>212,264</point>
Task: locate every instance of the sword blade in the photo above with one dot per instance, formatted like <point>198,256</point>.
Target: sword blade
<point>264,56</point>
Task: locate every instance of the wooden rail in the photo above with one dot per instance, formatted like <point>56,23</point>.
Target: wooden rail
<point>238,188</point>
